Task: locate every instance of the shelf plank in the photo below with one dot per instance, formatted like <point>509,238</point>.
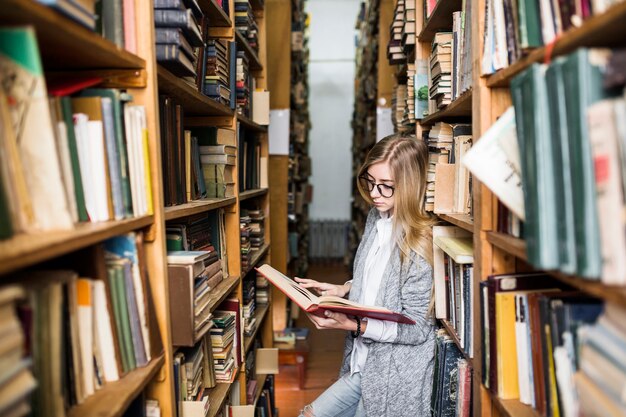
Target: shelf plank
<point>115,397</point>
<point>198,206</point>
<point>459,108</point>
<point>455,338</point>
<point>513,408</point>
<point>246,195</point>
<point>606,29</point>
<point>260,316</point>
<point>253,58</point>
<point>217,15</point>
<point>256,257</point>
<point>464,221</point>
<point>260,381</point>
<point>59,38</point>
<point>194,103</point>
<point>27,249</point>
<point>440,19</point>
<point>217,397</point>
<point>222,291</point>
<point>248,123</point>
<point>513,245</point>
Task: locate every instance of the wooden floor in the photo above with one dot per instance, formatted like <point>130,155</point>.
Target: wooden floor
<point>326,348</point>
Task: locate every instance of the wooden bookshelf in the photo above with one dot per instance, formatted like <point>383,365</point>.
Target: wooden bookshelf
<point>513,408</point>
<point>440,19</point>
<point>256,257</point>
<point>115,397</point>
<point>459,108</point>
<point>28,249</point>
<point>194,103</point>
<point>222,291</point>
<point>259,314</point>
<point>217,398</point>
<point>253,57</point>
<point>260,381</point>
<point>198,206</point>
<point>217,15</point>
<point>247,195</point>
<point>249,124</point>
<point>452,333</point>
<point>60,38</point>
<point>513,245</point>
<point>606,29</point>
<point>464,221</point>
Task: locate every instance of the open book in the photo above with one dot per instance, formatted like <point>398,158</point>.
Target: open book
<point>317,305</point>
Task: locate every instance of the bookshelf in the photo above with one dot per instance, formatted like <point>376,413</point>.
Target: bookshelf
<point>458,109</point>
<point>446,325</point>
<point>464,221</point>
<point>69,50</point>
<point>260,315</point>
<point>440,19</point>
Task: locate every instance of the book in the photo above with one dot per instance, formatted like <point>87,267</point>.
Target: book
<point>318,305</point>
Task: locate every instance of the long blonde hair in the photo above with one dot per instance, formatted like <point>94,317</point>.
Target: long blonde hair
<point>408,162</point>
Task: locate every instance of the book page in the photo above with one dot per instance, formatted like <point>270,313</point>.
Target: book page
<point>301,296</point>
<point>333,300</point>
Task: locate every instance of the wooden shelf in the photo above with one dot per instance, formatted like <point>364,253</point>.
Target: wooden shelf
<point>259,314</point>
<point>65,44</point>
<point>115,397</point>
<point>513,245</point>
<point>248,123</point>
<point>464,221</point>
<point>260,381</point>
<point>217,15</point>
<point>194,103</point>
<point>606,29</point>
<point>513,408</point>
<point>256,257</point>
<point>217,397</point>
<point>198,206</point>
<point>452,333</point>
<point>222,291</point>
<point>27,249</point>
<point>440,19</point>
<point>253,58</point>
<point>459,108</point>
<point>247,195</point>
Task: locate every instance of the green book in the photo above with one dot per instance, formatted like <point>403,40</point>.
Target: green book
<point>529,24</point>
<point>6,226</point>
<point>119,291</point>
<point>117,314</point>
<point>582,76</point>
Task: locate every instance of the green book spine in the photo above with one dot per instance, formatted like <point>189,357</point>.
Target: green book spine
<point>125,320</point>
<point>117,313</point>
<point>529,24</point>
<point>66,108</point>
<point>6,227</point>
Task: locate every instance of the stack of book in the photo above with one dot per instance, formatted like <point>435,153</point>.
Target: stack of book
<point>262,289</point>
<point>245,23</point>
<point>395,51</point>
<point>179,37</point>
<point>257,229</point>
<point>193,376</point>
<point>243,84</point>
<point>408,27</point>
<point>17,381</point>
<point>193,276</point>
<point>439,140</point>
<point>246,246</point>
<point>452,386</point>
<point>398,104</point>
<point>249,304</point>
<point>440,75</point>
<point>192,233</point>
<point>223,342</point>
<point>218,165</point>
<point>601,373</point>
<point>408,117</point>
<point>217,78</point>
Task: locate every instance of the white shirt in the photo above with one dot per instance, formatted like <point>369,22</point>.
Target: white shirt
<point>375,264</point>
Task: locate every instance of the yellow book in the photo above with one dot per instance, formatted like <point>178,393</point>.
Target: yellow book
<point>506,346</point>
<point>460,249</point>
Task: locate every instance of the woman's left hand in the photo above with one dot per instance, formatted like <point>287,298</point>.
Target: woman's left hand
<point>332,320</point>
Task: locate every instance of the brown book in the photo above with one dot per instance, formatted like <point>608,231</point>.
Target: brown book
<point>181,289</point>
<point>213,268</point>
<point>215,280</point>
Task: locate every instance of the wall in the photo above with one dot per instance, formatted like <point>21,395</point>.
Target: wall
<point>331,84</point>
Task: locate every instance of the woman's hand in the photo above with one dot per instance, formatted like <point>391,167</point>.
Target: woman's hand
<point>323,288</point>
<point>337,321</point>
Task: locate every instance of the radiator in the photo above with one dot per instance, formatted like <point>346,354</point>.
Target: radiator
<point>328,239</point>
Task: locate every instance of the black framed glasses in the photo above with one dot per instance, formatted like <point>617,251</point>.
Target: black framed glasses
<point>383,189</point>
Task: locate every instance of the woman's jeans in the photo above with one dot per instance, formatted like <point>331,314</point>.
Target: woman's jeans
<point>342,399</point>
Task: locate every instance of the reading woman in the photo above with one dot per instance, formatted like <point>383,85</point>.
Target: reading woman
<point>387,367</point>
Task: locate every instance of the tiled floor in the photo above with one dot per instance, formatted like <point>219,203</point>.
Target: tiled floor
<point>326,348</point>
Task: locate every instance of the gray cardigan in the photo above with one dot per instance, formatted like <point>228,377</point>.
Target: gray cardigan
<point>398,376</point>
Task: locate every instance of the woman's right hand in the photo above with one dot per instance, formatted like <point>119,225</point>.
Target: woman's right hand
<point>324,288</point>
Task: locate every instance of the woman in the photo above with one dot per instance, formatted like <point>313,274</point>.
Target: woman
<point>387,367</point>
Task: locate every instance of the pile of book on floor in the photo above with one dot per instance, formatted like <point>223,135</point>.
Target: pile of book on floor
<point>77,334</point>
<point>246,245</point>
<point>218,166</point>
<point>180,39</point>
<point>257,229</point>
<point>89,149</point>
<point>262,289</point>
<point>193,377</point>
<point>227,340</point>
<point>218,74</point>
<point>452,385</point>
<point>193,277</point>
<point>243,87</point>
<point>249,304</point>
<point>245,23</point>
<point>440,71</point>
